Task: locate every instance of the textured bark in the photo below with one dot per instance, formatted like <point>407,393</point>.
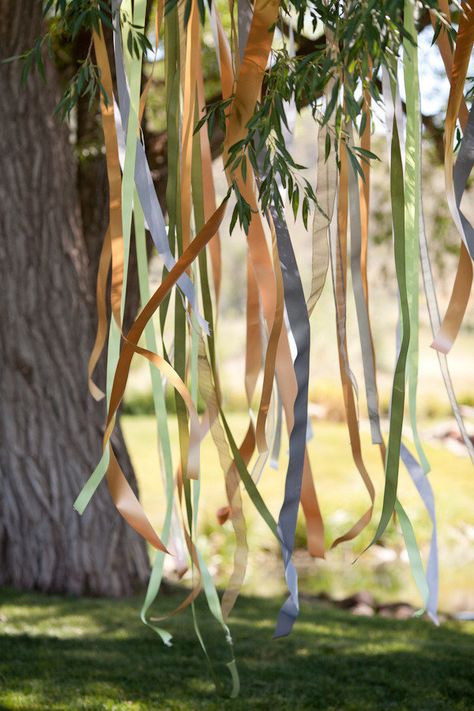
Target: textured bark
<point>50,428</point>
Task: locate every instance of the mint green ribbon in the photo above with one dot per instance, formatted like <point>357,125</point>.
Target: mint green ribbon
<point>412,215</point>
<point>128,185</point>
<point>392,463</point>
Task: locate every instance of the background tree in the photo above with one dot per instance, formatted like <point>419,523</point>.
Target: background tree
<point>50,428</point>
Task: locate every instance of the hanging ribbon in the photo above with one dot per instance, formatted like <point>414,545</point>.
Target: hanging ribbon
<point>463,282</point>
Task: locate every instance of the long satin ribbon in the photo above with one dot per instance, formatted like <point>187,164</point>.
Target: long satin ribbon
<point>204,580</point>
<point>254,61</point>
<point>208,377</point>
<point>113,174</point>
<point>464,273</point>
<point>412,176</point>
<point>457,73</point>
<point>122,494</point>
<point>398,387</point>
<point>338,252</point>
<point>113,249</point>
<point>249,80</point>
<point>435,322</point>
<point>428,585</point>
<point>360,290</point>
<point>326,182</point>
<point>298,316</point>
<point>124,498</point>
<point>143,178</point>
<point>164,443</point>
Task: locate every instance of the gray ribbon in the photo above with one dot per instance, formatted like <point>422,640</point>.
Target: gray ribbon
<point>275,455</point>
<point>362,311</point>
<point>462,171</point>
<point>298,317</point>
<point>435,322</point>
<point>336,264</point>
<point>423,486</point>
<point>299,326</point>
<point>244,20</point>
<point>414,469</point>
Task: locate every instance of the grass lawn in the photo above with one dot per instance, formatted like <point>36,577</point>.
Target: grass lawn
<point>58,653</point>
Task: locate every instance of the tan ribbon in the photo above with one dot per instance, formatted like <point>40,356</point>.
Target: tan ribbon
<point>246,94</point>
<point>326,182</point>
<point>272,348</point>
<point>102,321</point>
<point>232,484</point>
<point>128,505</point>
<point>456,70</point>
<point>209,191</point>
<point>347,387</point>
<point>112,248</point>
<point>131,339</point>
<point>113,173</point>
<point>123,496</point>
<point>190,36</point>
<point>149,82</point>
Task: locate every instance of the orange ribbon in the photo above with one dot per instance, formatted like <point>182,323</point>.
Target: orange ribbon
<point>456,69</point>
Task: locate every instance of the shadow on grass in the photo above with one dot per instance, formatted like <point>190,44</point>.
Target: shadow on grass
<point>62,653</point>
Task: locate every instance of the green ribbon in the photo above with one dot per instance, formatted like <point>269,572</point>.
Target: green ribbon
<point>128,186</point>
<point>392,463</point>
<point>161,415</point>
<point>412,214</point>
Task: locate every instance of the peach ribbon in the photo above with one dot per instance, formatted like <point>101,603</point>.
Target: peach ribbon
<point>258,251</point>
<point>456,69</point>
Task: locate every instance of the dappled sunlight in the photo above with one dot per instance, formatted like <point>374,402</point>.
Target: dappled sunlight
<point>118,664</point>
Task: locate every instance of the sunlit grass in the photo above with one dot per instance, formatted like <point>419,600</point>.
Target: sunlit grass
<point>65,653</point>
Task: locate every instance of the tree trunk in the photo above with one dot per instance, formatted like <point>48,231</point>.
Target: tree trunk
<point>50,428</point>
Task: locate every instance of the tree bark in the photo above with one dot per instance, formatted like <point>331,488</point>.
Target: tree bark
<point>50,428</point>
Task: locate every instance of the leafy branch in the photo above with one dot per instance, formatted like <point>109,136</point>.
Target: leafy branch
<point>362,36</point>
<point>64,21</point>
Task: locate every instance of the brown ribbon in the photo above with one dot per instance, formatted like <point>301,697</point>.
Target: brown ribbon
<point>246,95</point>
<point>456,69</point>
<point>347,387</point>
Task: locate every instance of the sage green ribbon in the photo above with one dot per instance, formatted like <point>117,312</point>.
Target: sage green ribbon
<point>412,213</point>
<point>128,186</point>
<point>210,591</point>
<point>397,194</point>
<point>164,443</point>
<point>361,307</point>
<point>428,588</point>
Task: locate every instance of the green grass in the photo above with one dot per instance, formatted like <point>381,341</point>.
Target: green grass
<point>62,653</point>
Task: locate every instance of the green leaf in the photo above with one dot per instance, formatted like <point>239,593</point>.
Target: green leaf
<point>327,146</point>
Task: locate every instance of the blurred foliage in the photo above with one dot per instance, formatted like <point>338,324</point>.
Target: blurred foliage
<point>141,403</point>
